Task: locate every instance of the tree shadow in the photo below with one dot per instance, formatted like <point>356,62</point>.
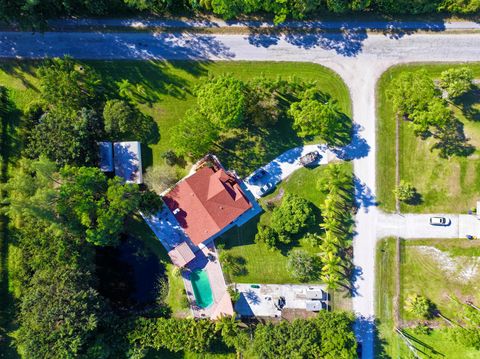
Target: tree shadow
<point>451,140</point>
<point>467,103</point>
<point>18,69</point>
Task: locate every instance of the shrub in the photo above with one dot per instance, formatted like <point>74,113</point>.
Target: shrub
<point>160,178</point>
<point>456,81</point>
<point>419,306</point>
<point>303,266</point>
<point>405,192</point>
<point>292,216</point>
<point>268,236</point>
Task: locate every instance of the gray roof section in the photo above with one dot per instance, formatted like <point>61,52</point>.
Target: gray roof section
<point>106,156</point>
<point>127,157</point>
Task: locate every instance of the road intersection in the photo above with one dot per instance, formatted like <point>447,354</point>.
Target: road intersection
<point>359,58</point>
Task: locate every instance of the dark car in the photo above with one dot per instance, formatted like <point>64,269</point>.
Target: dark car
<point>257,175</point>
<point>310,158</point>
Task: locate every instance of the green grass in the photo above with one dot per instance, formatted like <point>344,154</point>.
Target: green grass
<point>425,272</point>
<point>168,93</point>
<point>446,185</point>
<point>419,275</point>
<point>269,266</point>
<point>388,344</point>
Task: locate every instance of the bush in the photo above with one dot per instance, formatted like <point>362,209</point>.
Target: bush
<point>303,266</point>
<point>268,236</point>
<point>160,178</point>
<point>170,157</point>
<point>292,216</point>
<point>456,81</point>
<point>405,192</point>
<point>419,306</point>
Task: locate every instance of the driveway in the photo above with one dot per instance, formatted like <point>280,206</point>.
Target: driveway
<point>418,226</point>
<point>285,164</point>
<point>357,56</point>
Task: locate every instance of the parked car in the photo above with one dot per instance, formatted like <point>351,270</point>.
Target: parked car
<point>439,221</point>
<point>310,158</point>
<point>262,191</point>
<point>257,175</point>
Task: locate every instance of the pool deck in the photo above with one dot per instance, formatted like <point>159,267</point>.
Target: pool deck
<point>217,284</point>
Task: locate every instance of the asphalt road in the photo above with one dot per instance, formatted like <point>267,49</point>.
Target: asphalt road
<point>358,57</point>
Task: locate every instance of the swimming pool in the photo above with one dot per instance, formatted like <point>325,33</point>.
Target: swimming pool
<point>201,288</point>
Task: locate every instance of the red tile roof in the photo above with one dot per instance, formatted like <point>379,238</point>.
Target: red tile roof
<point>206,202</point>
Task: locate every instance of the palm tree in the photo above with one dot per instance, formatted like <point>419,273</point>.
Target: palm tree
<point>125,88</point>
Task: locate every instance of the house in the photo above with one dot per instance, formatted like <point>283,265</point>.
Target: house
<point>127,158</point>
<point>208,202</point>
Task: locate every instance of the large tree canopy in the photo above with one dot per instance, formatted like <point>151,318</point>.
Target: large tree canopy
<point>194,135</point>
<point>317,114</point>
<point>125,122</point>
<point>293,215</point>
<point>94,204</point>
<point>222,100</point>
<point>68,84</point>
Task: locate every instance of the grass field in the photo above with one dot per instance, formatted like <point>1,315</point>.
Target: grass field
<point>446,185</point>
<point>264,265</point>
<point>439,268</point>
<point>424,274</point>
<point>167,92</point>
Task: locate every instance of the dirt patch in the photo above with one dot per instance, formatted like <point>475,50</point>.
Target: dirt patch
<point>462,268</point>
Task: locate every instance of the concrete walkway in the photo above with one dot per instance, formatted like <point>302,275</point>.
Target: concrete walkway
<point>357,56</point>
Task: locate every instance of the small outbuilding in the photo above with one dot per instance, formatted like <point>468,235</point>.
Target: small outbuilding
<point>181,255</point>
<point>105,154</point>
<point>127,157</point>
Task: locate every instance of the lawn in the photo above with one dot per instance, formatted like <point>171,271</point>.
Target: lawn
<point>439,268</point>
<point>262,264</point>
<point>424,274</point>
<point>167,92</point>
<point>446,185</point>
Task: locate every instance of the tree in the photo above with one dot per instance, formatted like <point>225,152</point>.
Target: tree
<point>303,266</point>
<point>95,205</point>
<point>411,91</point>
<point>66,137</point>
<point>267,235</point>
<point>69,84</point>
<point>194,135</point>
<point>292,216</point>
<point>456,81</point>
<point>317,114</point>
<point>160,178</point>
<point>124,122</point>
<point>329,335</point>
<point>434,117</point>
<point>58,315</point>
<point>405,192</point>
<point>263,106</point>
<point>222,101</point>
<point>419,305</point>
<point>232,265</point>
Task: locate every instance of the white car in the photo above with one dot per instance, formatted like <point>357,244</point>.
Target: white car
<point>439,221</point>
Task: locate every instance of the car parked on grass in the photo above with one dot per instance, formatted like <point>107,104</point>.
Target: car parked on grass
<point>439,221</point>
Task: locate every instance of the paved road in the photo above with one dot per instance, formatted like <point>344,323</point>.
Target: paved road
<point>139,23</point>
<point>359,58</point>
